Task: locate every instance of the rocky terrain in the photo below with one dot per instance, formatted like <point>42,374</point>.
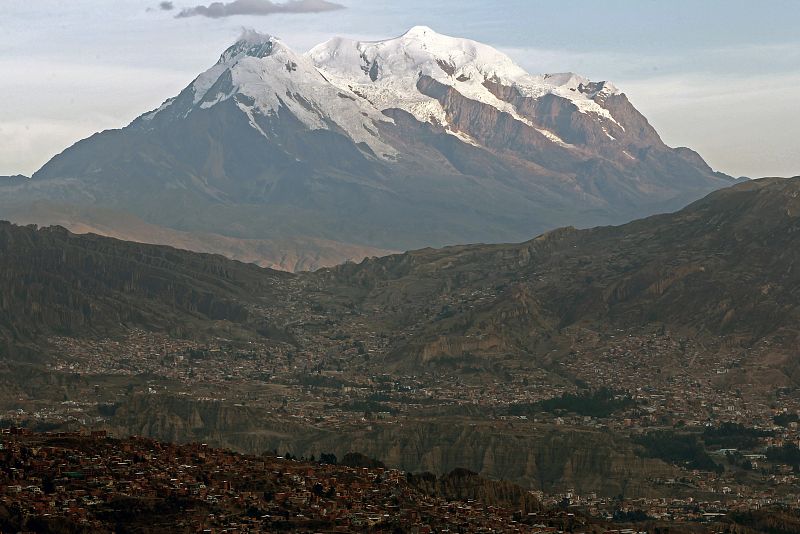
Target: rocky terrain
<point>720,267</point>
<point>56,282</point>
<point>300,161</point>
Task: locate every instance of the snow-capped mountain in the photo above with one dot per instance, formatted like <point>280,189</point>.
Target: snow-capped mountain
<point>414,141</point>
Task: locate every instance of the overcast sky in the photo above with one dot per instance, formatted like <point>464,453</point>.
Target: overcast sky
<point>721,77</point>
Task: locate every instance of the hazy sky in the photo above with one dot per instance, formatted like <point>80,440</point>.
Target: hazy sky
<point>718,76</point>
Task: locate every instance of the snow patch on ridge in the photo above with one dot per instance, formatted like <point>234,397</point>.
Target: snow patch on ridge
<point>554,138</point>
<point>466,138</point>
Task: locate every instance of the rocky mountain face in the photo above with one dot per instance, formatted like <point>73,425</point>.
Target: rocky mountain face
<point>57,283</point>
<point>358,149</point>
<point>684,269</point>
<point>12,180</point>
<point>550,458</point>
<point>723,266</point>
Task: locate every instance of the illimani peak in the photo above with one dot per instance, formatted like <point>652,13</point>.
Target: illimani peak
<point>363,148</point>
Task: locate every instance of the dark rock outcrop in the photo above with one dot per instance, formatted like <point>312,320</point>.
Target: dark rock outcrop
<point>55,282</point>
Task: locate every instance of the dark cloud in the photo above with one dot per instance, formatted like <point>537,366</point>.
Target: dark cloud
<point>166,6</point>
<point>258,7</point>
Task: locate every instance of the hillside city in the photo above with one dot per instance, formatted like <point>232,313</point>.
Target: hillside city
<point>752,466</point>
<point>90,481</point>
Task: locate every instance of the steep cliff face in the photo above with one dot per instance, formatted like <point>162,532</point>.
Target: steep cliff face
<point>57,283</point>
<point>544,457</point>
<point>547,458</point>
<point>563,118</point>
<point>497,129</point>
<point>531,456</point>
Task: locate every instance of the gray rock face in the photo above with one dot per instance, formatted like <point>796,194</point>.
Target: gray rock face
<point>263,147</point>
<point>12,180</point>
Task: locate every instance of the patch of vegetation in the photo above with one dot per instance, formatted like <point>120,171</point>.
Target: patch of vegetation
<point>600,403</point>
<point>733,436</point>
<point>784,419</point>
<point>379,397</point>
<point>321,381</point>
<point>366,406</point>
<point>788,454</point>
<point>632,516</point>
<point>445,313</point>
<point>773,521</point>
<point>685,450</point>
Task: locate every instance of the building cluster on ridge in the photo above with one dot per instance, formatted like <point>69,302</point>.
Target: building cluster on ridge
<point>93,481</point>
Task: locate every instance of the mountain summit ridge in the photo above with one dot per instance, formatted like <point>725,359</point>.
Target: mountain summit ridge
<point>269,75</point>
<point>396,66</point>
<point>420,140</point>
<point>464,63</point>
